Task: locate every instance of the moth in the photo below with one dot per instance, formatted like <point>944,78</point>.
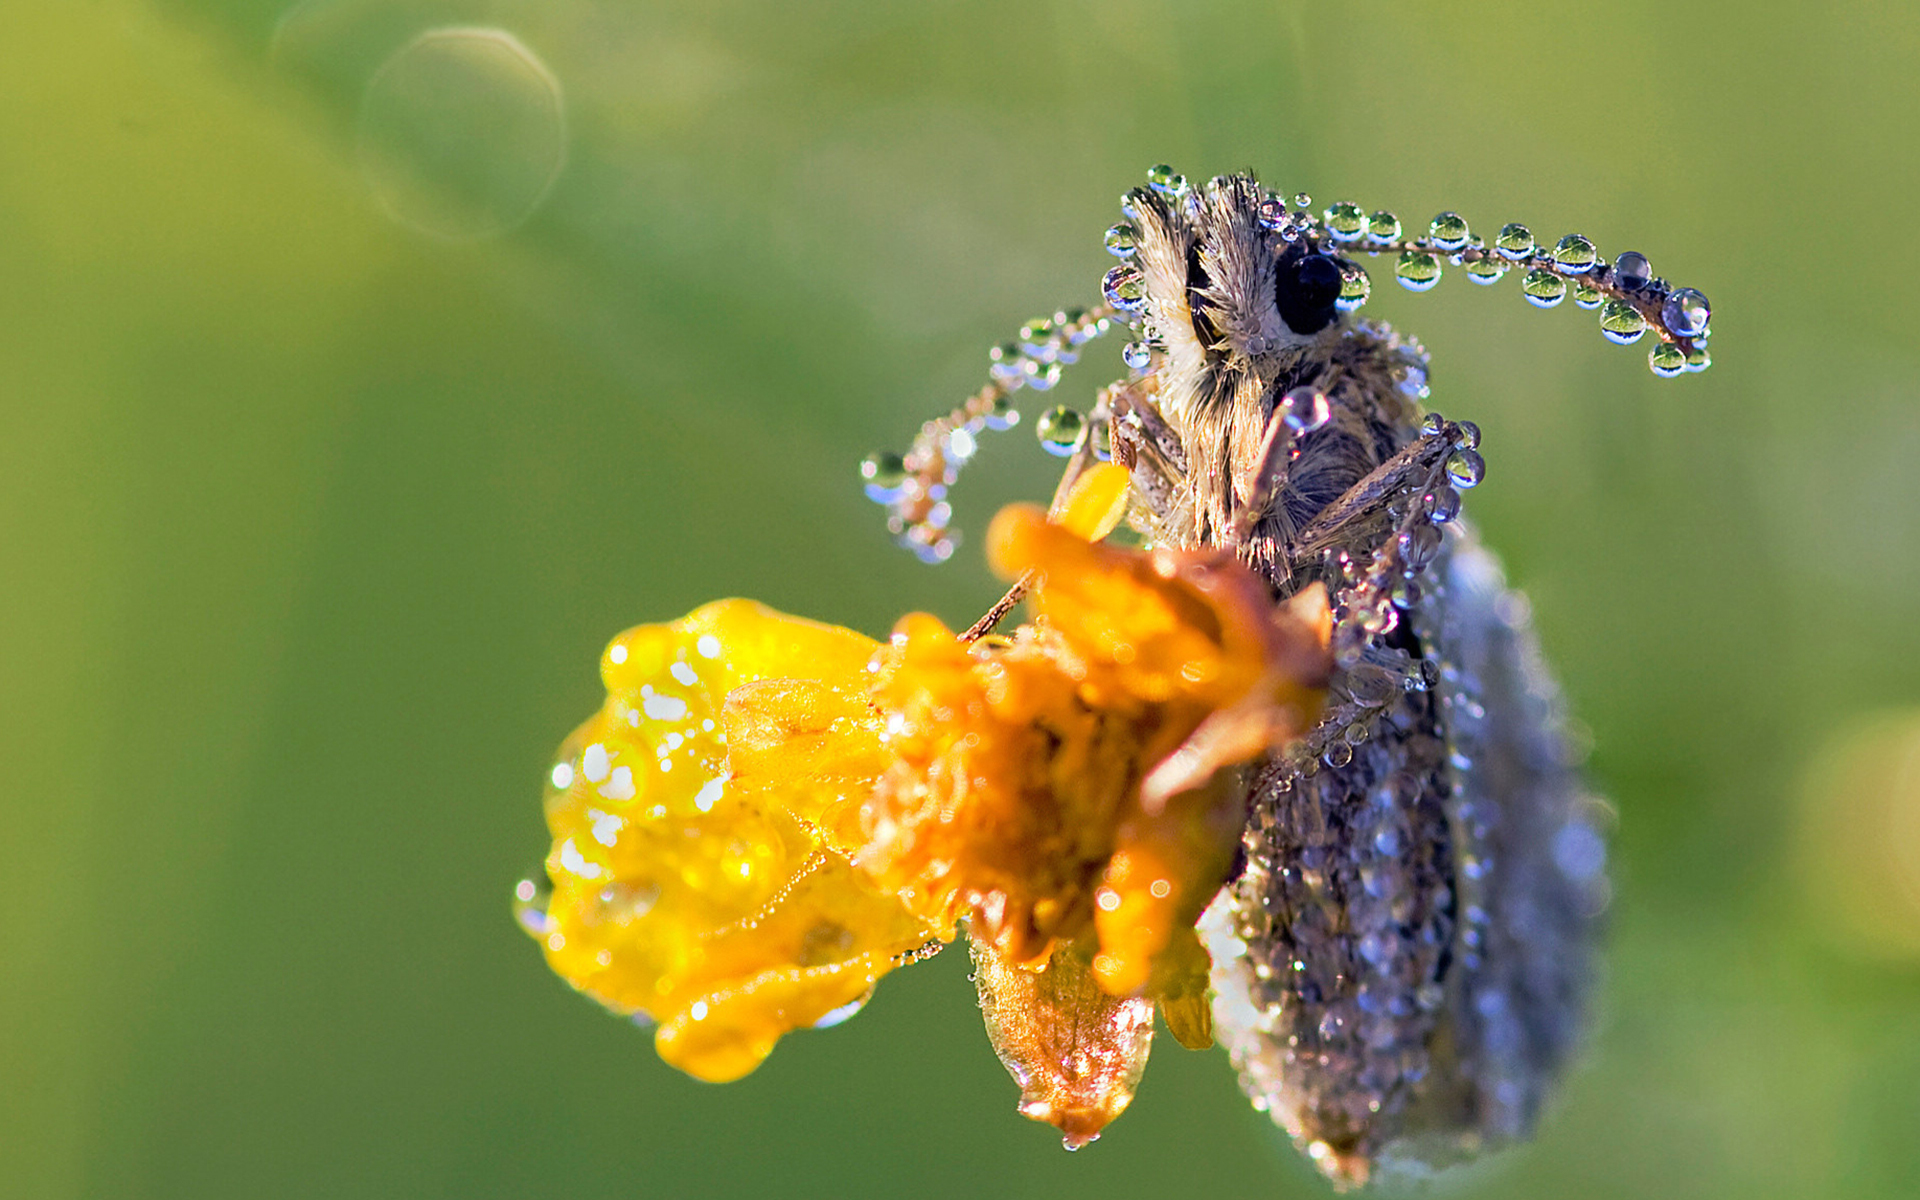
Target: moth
<point>1402,960</point>
<point>1274,754</point>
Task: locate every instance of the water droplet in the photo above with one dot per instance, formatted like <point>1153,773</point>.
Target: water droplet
<point>1468,437</point>
<point>1338,755</point>
<point>1698,359</point>
<point>1515,241</point>
<point>1345,221</point>
<point>1417,270</point>
<point>1165,180</point>
<point>1305,409</point>
<point>1037,337</point>
<point>530,899</point>
<point>1100,440</point>
<point>1007,364</point>
<point>1543,287</point>
<point>1272,213</point>
<point>1432,424</point>
<point>462,132</point>
<point>1586,295</point>
<point>1042,376</point>
<point>627,901</point>
<point>1060,429</point>
<point>1418,545</point>
<point>841,1015</point>
<point>883,473</point>
<point>1125,288</point>
<point>1686,313</point>
<point>1667,360</point>
<point>1381,618</point>
<point>1383,227</point>
<point>932,548</point>
<point>1442,504</point>
<point>1465,468</point>
<point>1136,355</point>
<point>1355,287</point>
<point>1486,269</point>
<point>1122,241</point>
<point>1372,685</point>
<point>1622,322</point>
<point>1575,255</point>
<point>1449,232</point>
<point>1632,271</point>
<point>1001,414</point>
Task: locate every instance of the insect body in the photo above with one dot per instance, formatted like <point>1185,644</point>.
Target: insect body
<point>1287,769</point>
<point>1402,962</point>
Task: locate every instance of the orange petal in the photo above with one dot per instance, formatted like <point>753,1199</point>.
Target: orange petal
<point>1077,1051</point>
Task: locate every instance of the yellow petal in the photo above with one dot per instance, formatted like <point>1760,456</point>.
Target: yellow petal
<point>729,914</point>
<point>1095,503</point>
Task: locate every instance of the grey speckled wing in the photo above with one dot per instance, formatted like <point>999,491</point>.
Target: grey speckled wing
<point>1401,971</point>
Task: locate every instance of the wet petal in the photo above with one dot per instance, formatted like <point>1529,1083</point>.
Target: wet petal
<point>724,909</point>
<point>1076,1050</point>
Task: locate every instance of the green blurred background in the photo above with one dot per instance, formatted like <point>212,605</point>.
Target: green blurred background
<point>359,387</point>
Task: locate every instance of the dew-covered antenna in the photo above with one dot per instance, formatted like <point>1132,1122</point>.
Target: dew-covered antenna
<point>913,486</point>
<point>1632,302</point>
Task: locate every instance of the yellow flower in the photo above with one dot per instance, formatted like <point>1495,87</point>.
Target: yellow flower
<point>769,814</point>
<point>682,896</point>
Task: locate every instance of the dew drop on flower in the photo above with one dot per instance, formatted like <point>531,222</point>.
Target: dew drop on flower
<point>1586,295</point>
<point>1667,360</point>
<point>1121,241</point>
<point>1383,227</point>
<point>530,899</point>
<point>1136,355</point>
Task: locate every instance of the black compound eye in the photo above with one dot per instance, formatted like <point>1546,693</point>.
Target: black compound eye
<point>1306,291</point>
